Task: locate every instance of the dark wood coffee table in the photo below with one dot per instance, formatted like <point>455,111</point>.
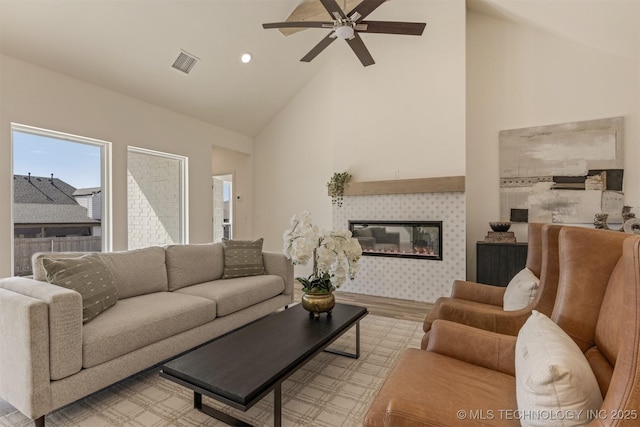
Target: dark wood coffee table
<point>240,368</point>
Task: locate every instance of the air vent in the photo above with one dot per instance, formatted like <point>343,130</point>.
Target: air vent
<point>185,62</point>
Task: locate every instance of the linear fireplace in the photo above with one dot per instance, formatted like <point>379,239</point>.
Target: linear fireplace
<point>403,239</point>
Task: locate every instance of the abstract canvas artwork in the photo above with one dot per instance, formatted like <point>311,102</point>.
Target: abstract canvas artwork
<point>563,173</point>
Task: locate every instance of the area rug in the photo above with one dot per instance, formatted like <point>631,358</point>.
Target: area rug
<point>328,391</point>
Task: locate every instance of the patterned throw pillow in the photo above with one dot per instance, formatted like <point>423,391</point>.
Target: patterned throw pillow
<point>88,276</point>
<point>242,258</point>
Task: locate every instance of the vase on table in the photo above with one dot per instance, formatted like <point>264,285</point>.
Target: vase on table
<point>318,302</point>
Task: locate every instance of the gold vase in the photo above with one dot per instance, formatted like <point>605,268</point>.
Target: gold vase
<point>317,303</point>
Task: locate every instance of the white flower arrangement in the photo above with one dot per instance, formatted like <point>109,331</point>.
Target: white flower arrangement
<point>335,254</point>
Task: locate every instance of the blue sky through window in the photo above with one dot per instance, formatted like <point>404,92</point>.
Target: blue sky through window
<point>75,163</point>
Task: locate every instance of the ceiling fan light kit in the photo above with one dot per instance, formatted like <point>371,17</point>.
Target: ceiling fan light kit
<point>347,26</point>
<point>345,31</point>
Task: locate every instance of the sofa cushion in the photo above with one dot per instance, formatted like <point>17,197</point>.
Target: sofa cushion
<point>192,264</point>
<point>242,258</point>
<point>87,275</point>
<point>142,320</point>
<point>553,375</point>
<point>138,271</point>
<point>521,290</point>
<point>448,390</point>
<point>235,294</point>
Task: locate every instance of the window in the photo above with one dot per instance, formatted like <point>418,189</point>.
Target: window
<point>61,194</point>
<point>157,198</point>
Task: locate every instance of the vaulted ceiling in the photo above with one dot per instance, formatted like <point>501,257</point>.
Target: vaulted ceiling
<point>129,47</point>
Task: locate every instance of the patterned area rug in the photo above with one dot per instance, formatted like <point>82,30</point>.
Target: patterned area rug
<point>329,391</point>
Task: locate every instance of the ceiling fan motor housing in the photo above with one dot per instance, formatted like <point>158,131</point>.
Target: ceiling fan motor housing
<point>345,31</point>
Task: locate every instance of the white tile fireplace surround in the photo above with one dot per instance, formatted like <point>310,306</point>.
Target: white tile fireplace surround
<point>405,278</point>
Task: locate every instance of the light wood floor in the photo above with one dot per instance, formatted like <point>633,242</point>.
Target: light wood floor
<point>381,306</point>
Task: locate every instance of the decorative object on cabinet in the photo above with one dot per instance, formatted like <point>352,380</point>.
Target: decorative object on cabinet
<point>500,233</point>
<point>629,222</point>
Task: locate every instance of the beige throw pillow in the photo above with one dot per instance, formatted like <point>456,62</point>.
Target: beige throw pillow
<point>87,275</point>
<point>242,258</point>
<point>520,291</point>
<point>555,386</point>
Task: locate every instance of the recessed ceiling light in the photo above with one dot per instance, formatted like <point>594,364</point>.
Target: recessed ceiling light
<point>246,58</point>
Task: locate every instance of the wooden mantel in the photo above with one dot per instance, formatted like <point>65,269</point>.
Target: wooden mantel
<point>406,186</point>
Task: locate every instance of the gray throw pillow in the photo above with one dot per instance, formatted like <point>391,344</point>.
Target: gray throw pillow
<point>89,276</point>
<point>242,258</point>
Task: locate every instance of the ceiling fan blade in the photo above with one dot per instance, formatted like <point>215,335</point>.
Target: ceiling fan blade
<point>364,9</point>
<point>301,24</point>
<point>319,47</point>
<point>333,8</point>
<point>312,10</point>
<point>361,50</point>
<point>386,27</point>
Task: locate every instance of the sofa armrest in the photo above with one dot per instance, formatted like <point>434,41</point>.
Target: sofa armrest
<point>64,322</point>
<point>476,346</point>
<point>478,292</point>
<point>24,353</point>
<point>277,264</point>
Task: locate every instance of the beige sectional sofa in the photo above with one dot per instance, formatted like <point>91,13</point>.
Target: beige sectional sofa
<point>170,299</point>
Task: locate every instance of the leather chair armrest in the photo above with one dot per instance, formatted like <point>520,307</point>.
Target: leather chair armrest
<point>483,316</point>
<point>476,346</point>
<point>402,413</point>
<point>478,292</point>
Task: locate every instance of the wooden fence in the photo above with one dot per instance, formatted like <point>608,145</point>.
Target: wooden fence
<point>25,247</point>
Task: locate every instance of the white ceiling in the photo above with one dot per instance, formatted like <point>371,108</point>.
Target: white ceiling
<point>128,46</point>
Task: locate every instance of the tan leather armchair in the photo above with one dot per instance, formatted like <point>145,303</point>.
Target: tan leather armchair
<point>467,375</point>
<point>480,305</point>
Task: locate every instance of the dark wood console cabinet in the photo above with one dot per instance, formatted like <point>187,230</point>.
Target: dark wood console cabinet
<point>497,263</point>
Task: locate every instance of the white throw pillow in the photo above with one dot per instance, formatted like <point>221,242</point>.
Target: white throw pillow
<point>555,385</point>
<point>520,291</point>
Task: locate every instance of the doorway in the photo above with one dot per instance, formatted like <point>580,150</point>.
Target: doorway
<point>222,207</point>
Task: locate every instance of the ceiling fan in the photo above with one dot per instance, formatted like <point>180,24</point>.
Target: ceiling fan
<point>347,26</point>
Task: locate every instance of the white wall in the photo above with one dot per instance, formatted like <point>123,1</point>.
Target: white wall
<point>520,76</point>
<point>405,112</point>
<point>293,162</point>
<point>35,96</point>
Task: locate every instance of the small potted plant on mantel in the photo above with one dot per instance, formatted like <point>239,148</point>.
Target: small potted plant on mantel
<point>336,185</point>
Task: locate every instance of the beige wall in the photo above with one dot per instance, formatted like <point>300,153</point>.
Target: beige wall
<point>521,75</point>
<point>37,97</point>
<point>240,166</point>
<point>404,113</point>
<point>293,163</point>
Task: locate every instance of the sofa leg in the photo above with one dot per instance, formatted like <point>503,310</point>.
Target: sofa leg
<point>39,422</point>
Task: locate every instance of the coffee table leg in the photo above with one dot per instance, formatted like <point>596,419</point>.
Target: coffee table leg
<point>213,412</point>
<point>355,355</point>
<point>277,406</point>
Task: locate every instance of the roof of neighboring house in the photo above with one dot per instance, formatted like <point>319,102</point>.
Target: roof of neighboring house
<point>37,189</point>
<point>87,191</point>
<point>40,200</point>
<point>34,213</point>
